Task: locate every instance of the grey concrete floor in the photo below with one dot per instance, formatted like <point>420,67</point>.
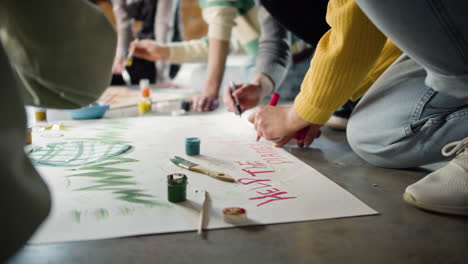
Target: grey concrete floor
<point>400,234</point>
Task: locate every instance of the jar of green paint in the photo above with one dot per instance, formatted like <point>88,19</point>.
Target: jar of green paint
<point>192,146</point>
<point>176,187</point>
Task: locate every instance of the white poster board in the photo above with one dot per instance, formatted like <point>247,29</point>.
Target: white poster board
<point>108,178</point>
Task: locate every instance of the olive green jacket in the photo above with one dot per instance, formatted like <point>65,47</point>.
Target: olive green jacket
<point>54,54</point>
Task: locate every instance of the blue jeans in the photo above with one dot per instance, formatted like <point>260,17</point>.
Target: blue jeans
<point>416,106</point>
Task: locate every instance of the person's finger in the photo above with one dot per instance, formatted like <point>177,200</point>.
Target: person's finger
<point>256,125</point>
<point>466,100</point>
<point>242,91</point>
<point>201,103</point>
<point>198,104</point>
<point>310,136</point>
<point>132,46</point>
<point>300,136</point>
<point>195,102</point>
<point>259,134</point>
<point>144,49</point>
<point>136,45</point>
<point>207,106</point>
<point>214,105</point>
<point>141,53</point>
<point>252,117</point>
<point>284,141</point>
<point>228,100</point>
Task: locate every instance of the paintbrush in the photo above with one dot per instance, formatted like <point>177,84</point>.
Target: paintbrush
<point>183,163</point>
<point>126,77</point>
<point>129,60</point>
<point>203,213</point>
<point>128,63</point>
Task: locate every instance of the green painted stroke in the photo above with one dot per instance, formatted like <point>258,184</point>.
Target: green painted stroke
<point>113,131</point>
<point>76,152</point>
<point>108,178</point>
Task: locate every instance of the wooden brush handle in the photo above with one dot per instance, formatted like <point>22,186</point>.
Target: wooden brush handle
<point>214,174</point>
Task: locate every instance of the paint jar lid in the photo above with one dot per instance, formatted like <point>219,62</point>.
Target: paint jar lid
<point>177,179</point>
<point>185,105</point>
<point>192,140</point>
<point>144,83</point>
<point>145,92</point>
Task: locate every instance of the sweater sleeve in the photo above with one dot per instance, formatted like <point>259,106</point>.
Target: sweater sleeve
<point>124,27</point>
<point>388,55</point>
<point>343,58</point>
<point>188,51</point>
<point>219,15</point>
<point>274,54</point>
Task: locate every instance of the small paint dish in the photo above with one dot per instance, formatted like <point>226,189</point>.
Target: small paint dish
<point>234,215</point>
<point>93,111</point>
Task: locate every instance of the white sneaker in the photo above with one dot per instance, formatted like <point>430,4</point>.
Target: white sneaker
<point>337,122</point>
<point>446,189</point>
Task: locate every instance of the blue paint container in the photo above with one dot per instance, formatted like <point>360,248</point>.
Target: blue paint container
<point>94,111</point>
<point>192,146</point>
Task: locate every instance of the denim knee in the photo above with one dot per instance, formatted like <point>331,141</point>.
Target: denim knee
<point>374,149</point>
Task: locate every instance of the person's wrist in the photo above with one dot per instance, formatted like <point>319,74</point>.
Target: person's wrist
<point>211,91</point>
<point>266,84</point>
<point>296,122</point>
<point>165,52</point>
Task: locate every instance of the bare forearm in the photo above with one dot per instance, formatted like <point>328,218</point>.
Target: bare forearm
<point>217,54</point>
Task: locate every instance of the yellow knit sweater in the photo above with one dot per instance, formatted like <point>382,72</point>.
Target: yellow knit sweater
<point>348,59</point>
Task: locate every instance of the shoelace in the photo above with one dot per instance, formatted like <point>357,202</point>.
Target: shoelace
<point>457,147</point>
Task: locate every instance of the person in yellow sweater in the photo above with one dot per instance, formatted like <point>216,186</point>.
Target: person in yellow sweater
<point>347,60</point>
<point>411,111</point>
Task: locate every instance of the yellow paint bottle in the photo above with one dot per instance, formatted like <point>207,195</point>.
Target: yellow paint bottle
<point>40,114</point>
<point>144,105</point>
<point>28,136</point>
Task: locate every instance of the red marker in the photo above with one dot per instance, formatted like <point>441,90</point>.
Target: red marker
<point>273,101</point>
<point>302,133</point>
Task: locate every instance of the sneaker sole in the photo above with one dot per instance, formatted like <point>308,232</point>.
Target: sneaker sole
<point>439,209</point>
<point>337,123</point>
